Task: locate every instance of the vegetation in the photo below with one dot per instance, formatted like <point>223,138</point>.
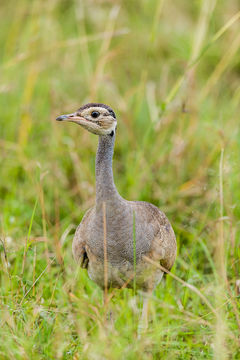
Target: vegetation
<point>170,70</point>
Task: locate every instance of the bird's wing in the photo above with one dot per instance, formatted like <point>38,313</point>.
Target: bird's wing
<point>164,247</point>
<point>78,246</point>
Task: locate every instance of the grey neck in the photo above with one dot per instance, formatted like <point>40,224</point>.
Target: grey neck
<point>105,187</point>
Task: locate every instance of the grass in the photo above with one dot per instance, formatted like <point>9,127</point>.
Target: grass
<point>171,72</point>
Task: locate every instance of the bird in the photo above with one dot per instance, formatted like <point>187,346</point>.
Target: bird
<point>117,236</point>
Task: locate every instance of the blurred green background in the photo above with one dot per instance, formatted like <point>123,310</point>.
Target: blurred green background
<point>171,71</point>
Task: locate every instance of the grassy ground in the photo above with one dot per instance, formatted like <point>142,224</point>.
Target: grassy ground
<point>171,71</point>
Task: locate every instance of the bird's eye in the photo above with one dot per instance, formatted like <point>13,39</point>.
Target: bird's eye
<point>95,114</point>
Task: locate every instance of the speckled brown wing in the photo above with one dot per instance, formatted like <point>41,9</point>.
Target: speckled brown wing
<point>79,242</point>
<point>164,247</point>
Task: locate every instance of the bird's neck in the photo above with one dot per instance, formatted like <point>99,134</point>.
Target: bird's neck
<point>105,187</point>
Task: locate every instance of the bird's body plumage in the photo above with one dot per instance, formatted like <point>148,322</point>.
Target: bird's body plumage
<point>154,238</point>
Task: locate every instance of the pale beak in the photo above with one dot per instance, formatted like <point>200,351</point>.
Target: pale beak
<point>91,126</point>
<point>73,118</point>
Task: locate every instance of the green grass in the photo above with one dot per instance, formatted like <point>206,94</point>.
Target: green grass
<point>171,72</point>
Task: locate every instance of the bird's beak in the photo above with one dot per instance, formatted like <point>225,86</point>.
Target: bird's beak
<point>72,118</point>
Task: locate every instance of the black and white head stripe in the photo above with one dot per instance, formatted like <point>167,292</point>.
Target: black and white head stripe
<point>110,110</point>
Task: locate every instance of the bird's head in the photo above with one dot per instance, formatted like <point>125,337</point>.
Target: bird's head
<point>99,119</point>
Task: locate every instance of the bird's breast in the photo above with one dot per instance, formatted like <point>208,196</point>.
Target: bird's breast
<point>124,236</point>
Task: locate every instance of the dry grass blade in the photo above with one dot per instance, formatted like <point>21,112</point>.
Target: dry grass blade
<point>221,66</point>
<point>220,256</point>
<point>220,348</point>
<point>228,24</point>
<point>105,254</point>
<point>104,50</point>
<point>6,260</point>
<point>189,286</point>
<point>219,33</point>
<point>203,22</point>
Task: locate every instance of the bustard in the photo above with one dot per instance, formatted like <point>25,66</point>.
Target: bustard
<point>134,230</point>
